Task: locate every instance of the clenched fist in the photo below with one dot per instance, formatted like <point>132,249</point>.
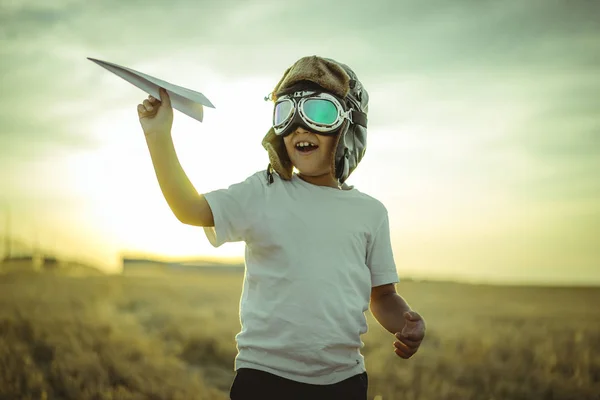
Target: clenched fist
<point>156,116</point>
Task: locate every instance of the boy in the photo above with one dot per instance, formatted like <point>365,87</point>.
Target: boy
<point>317,250</point>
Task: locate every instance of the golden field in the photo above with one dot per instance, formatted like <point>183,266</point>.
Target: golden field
<point>172,337</point>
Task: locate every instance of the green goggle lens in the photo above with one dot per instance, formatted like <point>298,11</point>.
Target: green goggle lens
<point>320,111</point>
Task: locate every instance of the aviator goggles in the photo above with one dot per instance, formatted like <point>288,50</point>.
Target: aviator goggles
<point>320,112</point>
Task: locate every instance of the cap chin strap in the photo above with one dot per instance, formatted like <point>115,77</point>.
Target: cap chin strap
<point>269,174</point>
<point>342,168</point>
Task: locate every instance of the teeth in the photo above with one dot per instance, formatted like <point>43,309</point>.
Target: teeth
<point>304,144</point>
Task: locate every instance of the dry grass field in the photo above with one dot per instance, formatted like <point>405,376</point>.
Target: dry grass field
<point>115,337</point>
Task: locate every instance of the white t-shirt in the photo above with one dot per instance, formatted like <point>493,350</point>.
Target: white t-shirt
<point>312,255</point>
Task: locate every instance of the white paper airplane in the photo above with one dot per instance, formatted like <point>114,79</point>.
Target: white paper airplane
<point>187,101</point>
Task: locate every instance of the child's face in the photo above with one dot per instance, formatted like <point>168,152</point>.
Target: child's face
<point>317,160</point>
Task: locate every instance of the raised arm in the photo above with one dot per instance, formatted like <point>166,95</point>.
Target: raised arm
<point>156,118</point>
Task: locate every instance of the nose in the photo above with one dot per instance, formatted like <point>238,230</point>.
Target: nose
<point>301,130</point>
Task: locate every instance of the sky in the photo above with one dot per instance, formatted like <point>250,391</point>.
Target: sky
<point>483,138</point>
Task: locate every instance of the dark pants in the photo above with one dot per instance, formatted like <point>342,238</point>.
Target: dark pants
<point>252,384</point>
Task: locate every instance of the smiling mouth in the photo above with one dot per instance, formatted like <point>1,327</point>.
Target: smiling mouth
<point>306,147</point>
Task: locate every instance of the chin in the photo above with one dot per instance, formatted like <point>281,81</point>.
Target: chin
<point>313,165</point>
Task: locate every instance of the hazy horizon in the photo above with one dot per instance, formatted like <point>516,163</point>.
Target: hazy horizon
<point>483,138</point>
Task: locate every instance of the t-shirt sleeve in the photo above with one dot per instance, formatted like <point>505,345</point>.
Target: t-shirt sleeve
<point>234,210</point>
<point>380,258</point>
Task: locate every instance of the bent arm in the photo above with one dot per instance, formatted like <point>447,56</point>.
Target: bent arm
<point>188,206</point>
<point>388,308</point>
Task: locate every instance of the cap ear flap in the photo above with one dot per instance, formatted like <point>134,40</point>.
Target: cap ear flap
<point>278,156</point>
<point>337,158</point>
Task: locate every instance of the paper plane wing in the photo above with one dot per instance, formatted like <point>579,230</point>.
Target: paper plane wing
<point>188,101</point>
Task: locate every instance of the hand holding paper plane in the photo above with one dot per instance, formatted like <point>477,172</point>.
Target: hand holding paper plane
<point>189,102</point>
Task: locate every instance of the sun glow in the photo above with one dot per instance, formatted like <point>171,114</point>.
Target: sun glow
<point>117,178</point>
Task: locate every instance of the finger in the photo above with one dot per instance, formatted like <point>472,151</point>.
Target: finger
<point>152,99</point>
<point>411,336</point>
<point>402,346</point>
<point>404,349</point>
<point>164,96</point>
<point>402,353</point>
<point>148,106</point>
<point>141,110</point>
<point>411,343</point>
